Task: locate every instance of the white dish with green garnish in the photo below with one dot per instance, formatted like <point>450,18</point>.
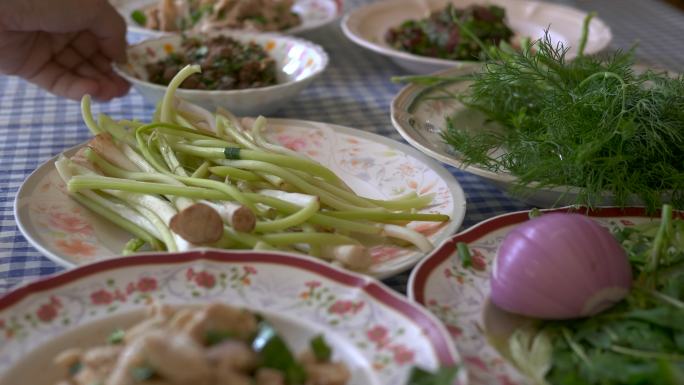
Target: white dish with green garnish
<point>377,334</point>
<point>311,14</point>
<point>595,130</point>
<point>373,166</point>
<point>634,340</point>
<point>368,25</point>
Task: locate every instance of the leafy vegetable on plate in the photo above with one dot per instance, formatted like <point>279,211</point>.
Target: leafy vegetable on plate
<point>640,340</point>
<point>194,178</point>
<point>594,124</point>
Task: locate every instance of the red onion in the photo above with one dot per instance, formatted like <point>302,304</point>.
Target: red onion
<point>560,266</point>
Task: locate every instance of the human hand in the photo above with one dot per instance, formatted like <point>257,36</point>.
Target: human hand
<point>64,46</point>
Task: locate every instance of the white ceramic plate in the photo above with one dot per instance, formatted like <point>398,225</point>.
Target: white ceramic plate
<point>459,296</point>
<point>379,334</point>
<point>422,124</point>
<point>298,63</point>
<point>367,25</point>
<point>372,165</point>
<point>313,13</point>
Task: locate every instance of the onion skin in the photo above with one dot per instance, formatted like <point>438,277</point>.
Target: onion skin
<point>560,266</point>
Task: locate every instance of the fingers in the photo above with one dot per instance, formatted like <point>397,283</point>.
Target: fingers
<point>68,16</point>
<point>75,82</point>
<point>110,29</point>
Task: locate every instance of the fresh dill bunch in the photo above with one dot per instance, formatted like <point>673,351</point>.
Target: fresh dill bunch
<point>591,123</point>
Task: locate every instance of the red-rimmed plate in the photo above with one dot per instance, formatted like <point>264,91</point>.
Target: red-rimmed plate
<point>377,332</point>
<point>458,296</point>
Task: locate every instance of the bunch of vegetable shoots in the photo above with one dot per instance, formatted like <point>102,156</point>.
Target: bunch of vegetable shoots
<point>195,178</point>
<point>594,124</point>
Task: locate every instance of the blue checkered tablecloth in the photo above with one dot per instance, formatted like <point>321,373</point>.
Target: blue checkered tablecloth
<point>354,91</point>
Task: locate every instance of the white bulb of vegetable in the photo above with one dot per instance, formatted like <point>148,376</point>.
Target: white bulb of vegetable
<point>560,266</point>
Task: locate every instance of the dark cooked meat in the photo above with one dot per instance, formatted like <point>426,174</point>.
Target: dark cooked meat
<point>440,36</point>
<point>226,63</point>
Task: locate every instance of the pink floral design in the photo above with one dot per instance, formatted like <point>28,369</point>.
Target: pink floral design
<point>377,334</point>
<point>101,297</point>
<point>312,284</point>
<point>342,307</point>
<point>46,313</point>
<point>402,355</point>
<point>76,247</point>
<point>205,280</point>
<point>249,270</point>
<point>478,260</point>
<point>69,223</point>
<point>626,222</point>
<point>146,284</point>
<point>293,143</point>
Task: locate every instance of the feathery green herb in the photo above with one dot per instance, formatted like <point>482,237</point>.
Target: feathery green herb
<point>593,123</point>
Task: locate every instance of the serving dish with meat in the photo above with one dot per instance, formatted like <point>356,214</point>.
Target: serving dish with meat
<point>369,26</point>
<point>375,336</point>
<point>160,17</point>
<point>247,73</point>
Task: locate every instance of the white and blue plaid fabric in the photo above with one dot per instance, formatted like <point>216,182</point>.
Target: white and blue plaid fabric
<point>354,91</point>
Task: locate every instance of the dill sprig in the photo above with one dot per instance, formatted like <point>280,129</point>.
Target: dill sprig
<point>592,123</point>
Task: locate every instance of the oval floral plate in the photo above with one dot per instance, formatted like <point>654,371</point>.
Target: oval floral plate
<point>367,26</point>
<point>419,114</point>
<point>458,296</point>
<point>373,166</point>
<point>313,13</point>
<point>379,334</point>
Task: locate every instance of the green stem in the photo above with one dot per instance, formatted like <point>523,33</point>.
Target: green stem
<point>646,354</point>
<point>356,215</point>
<point>292,220</point>
<point>83,182</point>
<point>320,219</point>
<point>227,171</point>
<point>585,33</point>
<point>284,239</point>
<point>117,220</point>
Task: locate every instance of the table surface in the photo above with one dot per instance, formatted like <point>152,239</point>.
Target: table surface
<point>354,91</point>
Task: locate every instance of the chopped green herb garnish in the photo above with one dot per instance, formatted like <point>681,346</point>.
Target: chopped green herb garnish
<point>464,254</point>
<point>139,17</point>
<point>75,368</point>
<point>320,348</point>
<point>116,337</point>
<point>214,337</point>
<point>443,376</point>
<point>142,373</point>
<point>275,354</point>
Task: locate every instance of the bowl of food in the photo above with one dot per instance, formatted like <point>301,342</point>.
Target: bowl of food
<point>247,73</point>
<point>428,36</point>
<point>157,17</point>
<point>209,317</point>
<point>507,290</point>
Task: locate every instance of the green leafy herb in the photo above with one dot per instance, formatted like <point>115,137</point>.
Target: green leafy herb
<point>464,254</point>
<point>637,342</point>
<point>116,337</point>
<point>593,123</point>
<point>142,373</point>
<point>215,337</point>
<point>320,348</point>
<point>443,376</point>
<point>75,368</point>
<point>139,17</point>
<point>274,354</point>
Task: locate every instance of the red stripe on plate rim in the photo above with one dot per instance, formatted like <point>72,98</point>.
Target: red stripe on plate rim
<point>432,328</point>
